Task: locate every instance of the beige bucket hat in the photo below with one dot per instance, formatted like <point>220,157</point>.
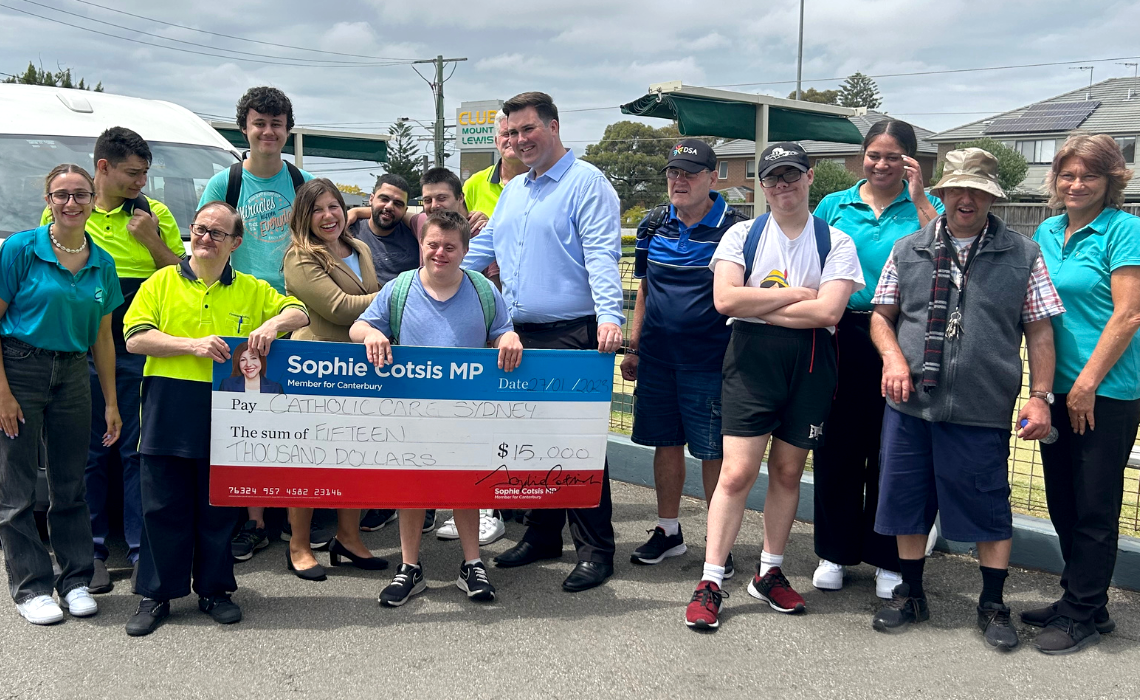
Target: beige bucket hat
<point>971,167</point>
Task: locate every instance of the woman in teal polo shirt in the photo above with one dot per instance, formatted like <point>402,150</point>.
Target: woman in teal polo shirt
<point>1093,255</point>
<point>57,291</point>
<point>888,204</point>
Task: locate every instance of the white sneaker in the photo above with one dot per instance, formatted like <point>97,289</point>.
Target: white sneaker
<point>931,539</point>
<point>828,576</point>
<point>885,582</point>
<point>447,531</point>
<point>80,603</point>
<point>41,610</point>
<point>491,528</point>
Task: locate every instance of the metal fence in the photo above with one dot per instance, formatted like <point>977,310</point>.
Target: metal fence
<point>1025,476</point>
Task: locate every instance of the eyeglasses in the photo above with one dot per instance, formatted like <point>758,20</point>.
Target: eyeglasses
<point>789,177</point>
<point>213,233</point>
<point>61,197</point>
<point>678,174</point>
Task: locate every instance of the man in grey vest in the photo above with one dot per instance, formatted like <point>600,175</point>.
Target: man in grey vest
<point>952,304</point>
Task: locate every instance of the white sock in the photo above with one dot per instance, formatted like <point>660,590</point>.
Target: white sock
<point>713,573</point>
<point>473,562</point>
<point>768,561</point>
<point>671,526</point>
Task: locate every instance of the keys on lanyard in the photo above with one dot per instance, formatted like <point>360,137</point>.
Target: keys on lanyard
<point>954,325</point>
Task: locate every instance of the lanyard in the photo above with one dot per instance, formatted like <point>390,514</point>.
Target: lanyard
<point>954,323</point>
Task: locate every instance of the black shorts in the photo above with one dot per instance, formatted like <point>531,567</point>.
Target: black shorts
<point>778,380</point>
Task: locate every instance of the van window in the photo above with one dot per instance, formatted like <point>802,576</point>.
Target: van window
<point>178,175</point>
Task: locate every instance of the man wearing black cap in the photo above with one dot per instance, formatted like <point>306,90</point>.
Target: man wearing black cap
<point>784,279</point>
<point>678,338</point>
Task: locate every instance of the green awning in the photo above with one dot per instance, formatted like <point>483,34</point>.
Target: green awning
<point>323,145</point>
<point>702,116</point>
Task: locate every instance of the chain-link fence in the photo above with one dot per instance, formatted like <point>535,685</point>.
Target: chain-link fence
<point>1025,475</point>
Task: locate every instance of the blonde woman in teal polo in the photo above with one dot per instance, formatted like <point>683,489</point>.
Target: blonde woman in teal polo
<point>888,204</point>
<point>1092,251</point>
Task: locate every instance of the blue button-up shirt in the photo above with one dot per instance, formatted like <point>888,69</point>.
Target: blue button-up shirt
<point>557,239</point>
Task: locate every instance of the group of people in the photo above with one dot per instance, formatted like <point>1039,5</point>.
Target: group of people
<point>846,332</point>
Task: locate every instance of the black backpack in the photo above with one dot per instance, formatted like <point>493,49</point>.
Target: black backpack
<point>233,184</point>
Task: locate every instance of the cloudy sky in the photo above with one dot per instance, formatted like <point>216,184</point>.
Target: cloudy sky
<point>591,55</point>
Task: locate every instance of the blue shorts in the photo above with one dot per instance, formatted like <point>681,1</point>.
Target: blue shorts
<point>961,471</point>
<point>677,407</point>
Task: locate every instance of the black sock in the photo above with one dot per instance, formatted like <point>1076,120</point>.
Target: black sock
<point>911,570</point>
<point>993,585</point>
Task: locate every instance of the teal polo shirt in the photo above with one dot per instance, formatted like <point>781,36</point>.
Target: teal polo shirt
<point>49,307</point>
<point>873,237</point>
<point>1082,273</point>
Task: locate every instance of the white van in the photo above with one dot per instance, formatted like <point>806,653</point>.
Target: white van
<point>41,127</point>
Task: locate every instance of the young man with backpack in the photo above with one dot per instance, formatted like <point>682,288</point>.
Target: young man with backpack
<point>784,279</point>
<point>439,305</point>
<point>261,188</point>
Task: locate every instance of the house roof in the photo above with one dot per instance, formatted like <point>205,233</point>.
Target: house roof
<point>1117,113</point>
<point>736,195</point>
<point>863,122</point>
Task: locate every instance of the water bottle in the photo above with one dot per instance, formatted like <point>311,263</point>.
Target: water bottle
<point>1048,439</point>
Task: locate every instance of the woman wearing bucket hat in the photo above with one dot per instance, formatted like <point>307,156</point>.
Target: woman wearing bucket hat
<point>889,203</point>
<point>1093,254</point>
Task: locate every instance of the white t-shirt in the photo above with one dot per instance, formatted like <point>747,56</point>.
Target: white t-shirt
<point>784,262</point>
<point>353,262</point>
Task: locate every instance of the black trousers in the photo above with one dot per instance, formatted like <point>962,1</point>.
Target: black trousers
<point>183,535</point>
<point>846,467</point>
<point>1084,482</point>
<point>592,529</point>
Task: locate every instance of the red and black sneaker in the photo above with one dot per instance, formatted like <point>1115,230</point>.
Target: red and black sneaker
<point>703,612</point>
<point>774,588</point>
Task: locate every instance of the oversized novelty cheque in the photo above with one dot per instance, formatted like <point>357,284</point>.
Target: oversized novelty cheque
<point>317,425</point>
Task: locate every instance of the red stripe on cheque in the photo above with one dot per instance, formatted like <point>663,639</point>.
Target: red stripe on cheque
<point>300,487</point>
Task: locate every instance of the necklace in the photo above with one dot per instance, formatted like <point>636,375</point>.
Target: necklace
<point>64,248</point>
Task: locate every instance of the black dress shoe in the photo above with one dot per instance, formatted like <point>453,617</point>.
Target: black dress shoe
<point>313,573</point>
<point>525,553</point>
<point>337,551</point>
<point>587,575</point>
<point>147,617</point>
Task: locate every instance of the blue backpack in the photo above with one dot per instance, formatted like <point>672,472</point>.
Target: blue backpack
<point>752,242</point>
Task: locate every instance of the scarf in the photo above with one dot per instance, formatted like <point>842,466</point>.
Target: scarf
<point>945,256</point>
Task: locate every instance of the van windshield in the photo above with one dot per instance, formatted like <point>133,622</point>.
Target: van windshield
<point>177,177</point>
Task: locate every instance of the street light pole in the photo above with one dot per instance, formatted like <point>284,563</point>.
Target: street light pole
<point>800,56</point>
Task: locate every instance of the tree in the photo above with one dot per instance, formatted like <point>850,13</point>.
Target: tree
<point>631,217</point>
<point>39,76</point>
<point>1012,166</point>
<point>632,155</point>
<point>829,177</point>
<point>404,157</point>
<point>823,97</point>
<point>859,91</point>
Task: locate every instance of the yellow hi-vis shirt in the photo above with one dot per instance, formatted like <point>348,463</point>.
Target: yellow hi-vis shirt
<point>481,191</point>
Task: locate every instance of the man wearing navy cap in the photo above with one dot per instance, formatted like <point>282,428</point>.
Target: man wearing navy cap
<point>678,339</point>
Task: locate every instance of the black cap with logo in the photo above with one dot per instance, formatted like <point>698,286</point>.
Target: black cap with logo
<point>783,153</point>
<point>692,156</point>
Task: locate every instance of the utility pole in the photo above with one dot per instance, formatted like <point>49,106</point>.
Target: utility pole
<point>437,90</point>
<point>800,56</point>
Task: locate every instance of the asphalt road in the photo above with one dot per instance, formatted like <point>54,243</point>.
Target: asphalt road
<point>625,639</point>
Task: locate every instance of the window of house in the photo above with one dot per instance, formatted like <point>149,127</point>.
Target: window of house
<point>1039,151</point>
<point>1127,147</point>
<point>722,169</point>
<point>750,168</point>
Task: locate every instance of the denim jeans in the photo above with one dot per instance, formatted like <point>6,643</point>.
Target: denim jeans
<point>128,383</point>
<point>55,396</point>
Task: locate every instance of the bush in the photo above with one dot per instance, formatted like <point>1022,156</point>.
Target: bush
<point>1012,166</point>
<point>629,240</point>
<point>829,177</point>
<point>633,216</point>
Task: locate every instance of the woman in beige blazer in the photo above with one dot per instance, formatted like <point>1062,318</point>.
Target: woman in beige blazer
<point>332,273</point>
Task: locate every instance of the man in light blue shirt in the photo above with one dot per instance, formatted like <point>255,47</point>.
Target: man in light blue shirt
<point>556,234</point>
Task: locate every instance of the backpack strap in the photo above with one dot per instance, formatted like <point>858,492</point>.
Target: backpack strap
<point>398,300</point>
<point>233,185</point>
<point>822,240</point>
<point>295,175</point>
<point>645,232</point>
<point>486,297</point>
<point>752,242</point>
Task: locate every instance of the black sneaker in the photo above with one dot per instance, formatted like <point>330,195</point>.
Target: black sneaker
<point>1040,617</point>
<point>993,621</point>
<point>474,582</point>
<point>429,521</point>
<point>900,611</point>
<point>147,617</point>
<point>660,546</point>
<point>101,579</point>
<point>408,581</point>
<point>375,519</point>
<point>729,569</point>
<point>319,537</point>
<point>221,608</point>
<point>248,540</point>
<point>1064,636</point>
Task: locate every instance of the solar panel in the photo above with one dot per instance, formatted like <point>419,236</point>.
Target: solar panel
<point>1051,116</point>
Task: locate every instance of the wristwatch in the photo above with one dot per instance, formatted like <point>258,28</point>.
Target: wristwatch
<point>1046,396</point>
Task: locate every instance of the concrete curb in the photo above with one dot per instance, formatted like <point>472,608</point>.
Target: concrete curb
<point>1034,539</point>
